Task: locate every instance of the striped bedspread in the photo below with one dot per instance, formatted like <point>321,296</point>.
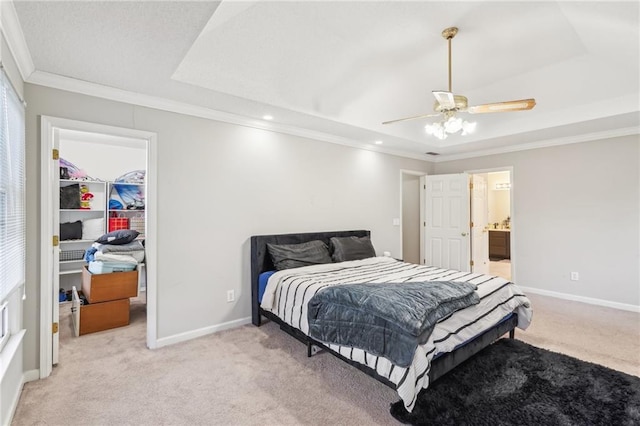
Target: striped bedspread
<point>289,291</point>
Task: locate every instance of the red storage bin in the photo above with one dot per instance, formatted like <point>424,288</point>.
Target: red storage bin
<point>116,223</point>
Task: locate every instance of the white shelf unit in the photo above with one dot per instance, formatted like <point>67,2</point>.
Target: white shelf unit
<point>69,270</point>
<point>133,205</point>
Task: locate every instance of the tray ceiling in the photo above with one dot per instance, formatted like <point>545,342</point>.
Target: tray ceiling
<point>339,69</point>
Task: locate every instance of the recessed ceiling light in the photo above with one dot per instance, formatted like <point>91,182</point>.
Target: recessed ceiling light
<point>267,117</point>
<point>378,142</point>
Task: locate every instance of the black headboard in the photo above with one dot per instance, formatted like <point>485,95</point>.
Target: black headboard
<point>261,261</point>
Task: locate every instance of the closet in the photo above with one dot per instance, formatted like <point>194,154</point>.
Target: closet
<point>102,189</point>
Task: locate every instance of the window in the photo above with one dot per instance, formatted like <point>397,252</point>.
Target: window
<point>4,324</point>
<point>12,200</point>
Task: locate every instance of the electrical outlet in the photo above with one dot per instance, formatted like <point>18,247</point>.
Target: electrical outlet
<point>231,295</point>
<point>575,276</point>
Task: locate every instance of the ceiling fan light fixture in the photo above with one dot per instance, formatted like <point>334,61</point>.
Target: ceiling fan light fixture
<point>468,127</point>
<point>453,125</point>
<point>450,125</point>
<point>436,129</point>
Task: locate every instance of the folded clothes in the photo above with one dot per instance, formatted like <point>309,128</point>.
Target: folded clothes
<point>89,254</point>
<point>134,257</point>
<point>99,267</point>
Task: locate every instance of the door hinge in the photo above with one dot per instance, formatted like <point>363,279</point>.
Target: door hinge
<point>56,241</point>
<point>471,263</point>
<point>471,224</point>
<point>424,223</point>
<point>470,185</point>
<point>56,154</point>
<point>54,328</point>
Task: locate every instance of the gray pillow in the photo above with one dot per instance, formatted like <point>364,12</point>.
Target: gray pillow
<point>287,256</point>
<point>70,196</point>
<point>351,248</point>
<point>121,236</point>
<point>71,230</point>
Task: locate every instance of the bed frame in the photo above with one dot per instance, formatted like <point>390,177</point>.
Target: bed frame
<point>441,364</point>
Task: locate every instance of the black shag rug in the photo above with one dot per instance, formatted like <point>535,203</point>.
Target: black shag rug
<point>513,383</point>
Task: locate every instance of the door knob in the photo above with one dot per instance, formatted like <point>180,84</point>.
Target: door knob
<point>464,234</point>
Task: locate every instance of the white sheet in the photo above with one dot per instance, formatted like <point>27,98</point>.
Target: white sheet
<point>288,292</point>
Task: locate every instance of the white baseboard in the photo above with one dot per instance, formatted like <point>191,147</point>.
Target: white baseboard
<point>583,299</point>
<point>31,376</point>
<point>183,337</point>
<point>11,376</point>
<point>27,376</point>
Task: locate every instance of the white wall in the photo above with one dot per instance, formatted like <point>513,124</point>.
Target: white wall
<point>218,184</point>
<point>499,201</point>
<point>103,161</point>
<point>576,208</point>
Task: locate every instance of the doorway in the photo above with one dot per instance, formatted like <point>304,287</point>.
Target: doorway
<point>410,215</point>
<point>495,235</point>
<point>53,132</point>
<point>449,207</point>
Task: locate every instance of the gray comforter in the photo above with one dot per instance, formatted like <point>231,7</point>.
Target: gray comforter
<point>386,319</point>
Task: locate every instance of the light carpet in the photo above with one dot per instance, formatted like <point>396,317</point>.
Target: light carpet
<point>261,376</point>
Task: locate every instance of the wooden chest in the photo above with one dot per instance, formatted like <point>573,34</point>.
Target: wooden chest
<point>98,316</point>
<point>107,287</point>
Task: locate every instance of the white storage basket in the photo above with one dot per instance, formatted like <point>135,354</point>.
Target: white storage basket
<point>137,223</point>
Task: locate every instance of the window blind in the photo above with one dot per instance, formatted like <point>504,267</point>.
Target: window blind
<point>12,189</point>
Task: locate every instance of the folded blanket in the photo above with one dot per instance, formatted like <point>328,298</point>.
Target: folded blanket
<point>134,257</point>
<point>99,267</point>
<point>385,319</point>
<point>117,248</point>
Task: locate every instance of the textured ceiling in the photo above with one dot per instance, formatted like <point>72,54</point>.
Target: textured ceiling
<point>341,68</point>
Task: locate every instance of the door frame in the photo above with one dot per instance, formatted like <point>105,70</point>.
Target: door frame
<point>420,213</point>
<point>49,130</point>
<point>512,208</point>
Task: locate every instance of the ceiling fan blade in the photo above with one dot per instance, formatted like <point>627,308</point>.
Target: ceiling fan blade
<point>410,118</point>
<point>521,105</point>
<point>445,99</point>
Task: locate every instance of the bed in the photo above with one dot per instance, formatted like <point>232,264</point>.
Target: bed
<point>454,339</point>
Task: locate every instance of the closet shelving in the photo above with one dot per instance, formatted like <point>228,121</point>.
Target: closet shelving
<point>102,191</point>
<point>130,208</point>
<point>96,210</point>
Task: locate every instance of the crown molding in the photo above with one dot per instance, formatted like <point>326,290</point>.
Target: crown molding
<point>105,92</point>
<point>546,143</point>
<point>14,37</point>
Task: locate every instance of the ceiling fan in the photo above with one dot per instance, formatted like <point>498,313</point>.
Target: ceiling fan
<point>448,104</point>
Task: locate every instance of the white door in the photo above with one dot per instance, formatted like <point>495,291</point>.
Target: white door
<point>446,227</point>
<point>479,220</point>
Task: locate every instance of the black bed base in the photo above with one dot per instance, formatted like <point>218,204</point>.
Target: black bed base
<point>440,365</point>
